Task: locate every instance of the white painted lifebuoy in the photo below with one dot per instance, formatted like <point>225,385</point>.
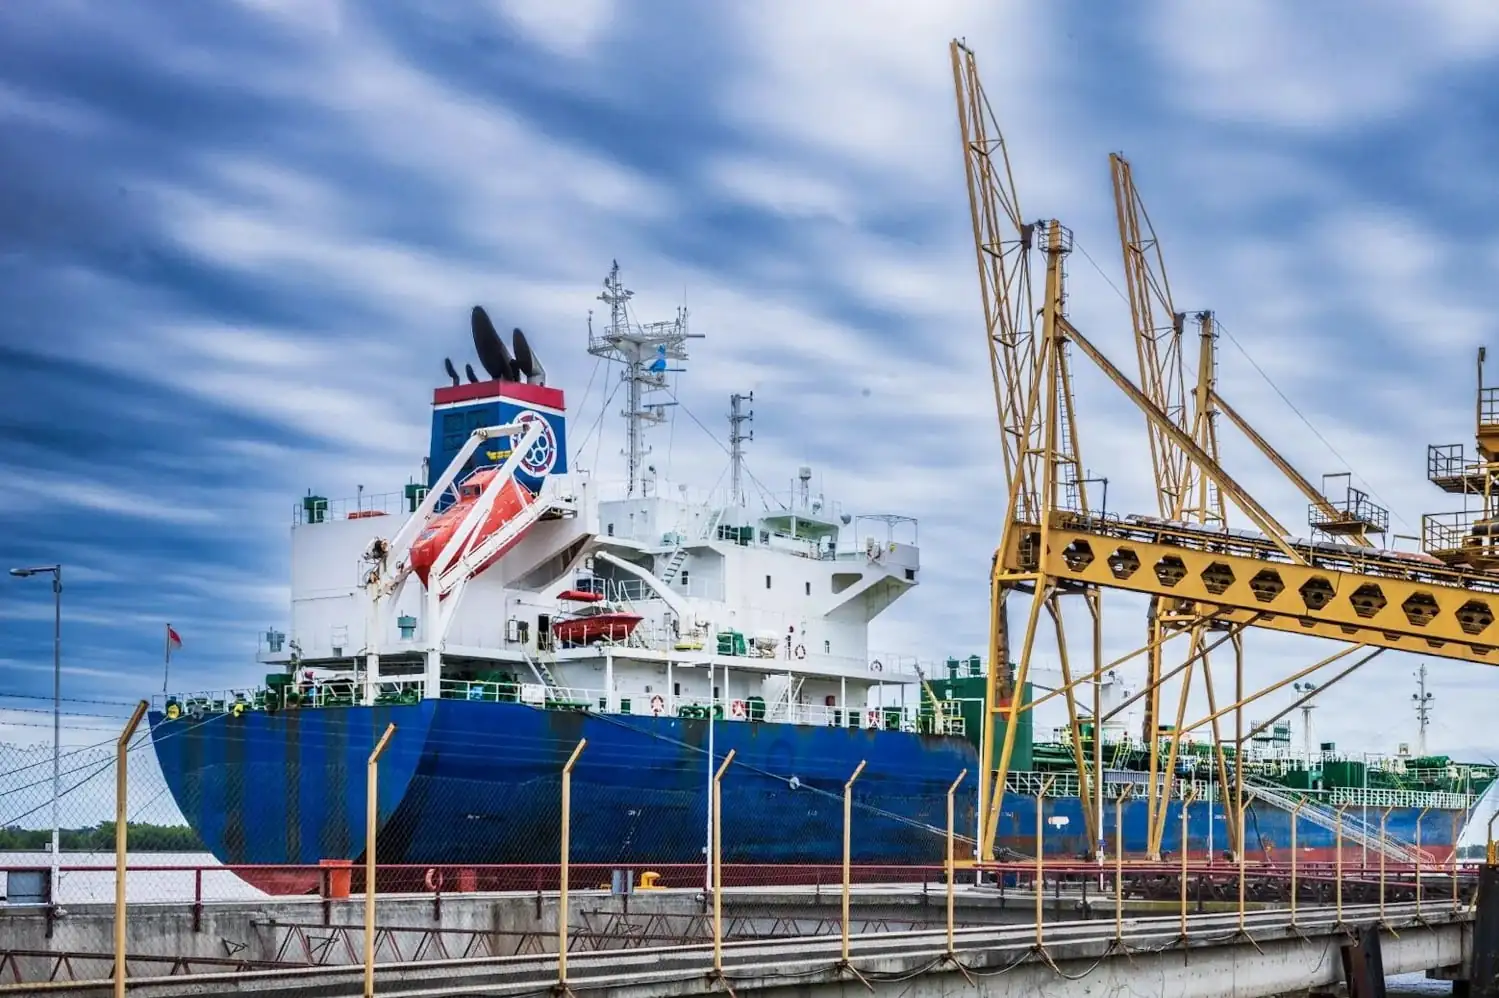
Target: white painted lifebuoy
<point>801,651</point>
<point>872,719</point>
<point>876,666</point>
<point>657,704</point>
<point>737,708</point>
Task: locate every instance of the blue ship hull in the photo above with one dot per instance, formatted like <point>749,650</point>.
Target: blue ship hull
<point>476,782</point>
<point>466,782</point>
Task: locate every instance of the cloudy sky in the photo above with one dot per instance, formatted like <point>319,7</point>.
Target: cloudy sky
<point>237,239</point>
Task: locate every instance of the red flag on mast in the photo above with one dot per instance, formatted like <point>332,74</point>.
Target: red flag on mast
<point>174,642</point>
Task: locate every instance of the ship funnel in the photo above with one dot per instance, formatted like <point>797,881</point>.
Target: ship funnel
<point>526,362</point>
<point>473,378</point>
<point>489,346</point>
<point>447,364</point>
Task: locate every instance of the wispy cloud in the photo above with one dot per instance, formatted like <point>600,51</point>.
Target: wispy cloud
<point>241,238</point>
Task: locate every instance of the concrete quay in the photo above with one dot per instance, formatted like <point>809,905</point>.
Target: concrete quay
<point>1147,955</point>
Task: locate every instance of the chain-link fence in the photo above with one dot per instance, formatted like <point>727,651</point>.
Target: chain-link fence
<point>74,790</point>
<point>223,809</point>
<point>218,814</point>
<point>206,792</point>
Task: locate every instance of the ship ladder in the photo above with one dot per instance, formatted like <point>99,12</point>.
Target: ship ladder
<point>540,670</point>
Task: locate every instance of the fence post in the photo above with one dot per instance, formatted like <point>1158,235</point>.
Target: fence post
<point>1243,851</point>
<point>1456,831</point>
<point>1383,820</point>
<point>951,865</point>
<point>371,821</point>
<point>565,850</point>
<point>122,818</point>
<point>1295,814</point>
<point>718,864</point>
<point>1119,863</point>
<point>1186,807</point>
<point>848,818</point>
<point>1041,859</point>
<point>1338,860</point>
<point>1420,818</point>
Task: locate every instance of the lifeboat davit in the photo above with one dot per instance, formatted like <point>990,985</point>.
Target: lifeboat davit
<point>510,503</point>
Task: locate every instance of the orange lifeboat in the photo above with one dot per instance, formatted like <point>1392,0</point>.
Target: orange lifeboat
<point>512,500</point>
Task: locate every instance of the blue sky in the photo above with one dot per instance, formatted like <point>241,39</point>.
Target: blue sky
<point>239,237</point>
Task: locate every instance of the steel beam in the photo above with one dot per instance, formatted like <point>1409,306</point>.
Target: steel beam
<point>1405,612</point>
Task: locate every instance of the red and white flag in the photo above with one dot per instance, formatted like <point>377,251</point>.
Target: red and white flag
<point>174,642</point>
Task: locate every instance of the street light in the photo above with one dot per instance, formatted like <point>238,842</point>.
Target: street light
<point>56,572</point>
<point>1306,689</point>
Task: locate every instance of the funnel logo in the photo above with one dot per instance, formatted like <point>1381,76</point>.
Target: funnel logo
<point>542,456</point>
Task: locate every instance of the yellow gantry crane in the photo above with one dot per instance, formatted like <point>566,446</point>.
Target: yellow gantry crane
<point>1203,576</point>
<point>1183,492</point>
<point>1033,397</point>
<point>1186,494</point>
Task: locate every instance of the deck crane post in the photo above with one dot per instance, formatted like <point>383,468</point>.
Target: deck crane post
<point>1033,462</point>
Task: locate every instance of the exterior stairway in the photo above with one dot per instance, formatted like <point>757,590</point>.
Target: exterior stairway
<point>673,566</point>
<point>539,668</point>
<point>1355,831</point>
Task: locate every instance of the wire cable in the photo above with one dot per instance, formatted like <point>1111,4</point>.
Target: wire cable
<point>1308,423</point>
<point>1273,386</point>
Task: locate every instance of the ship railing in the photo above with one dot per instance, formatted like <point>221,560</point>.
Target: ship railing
<point>618,490</point>
<point>313,509</point>
<point>348,691</point>
<point>297,692</point>
<point>1381,797</point>
<point>636,590</point>
<point>1035,784</point>
<point>745,708</point>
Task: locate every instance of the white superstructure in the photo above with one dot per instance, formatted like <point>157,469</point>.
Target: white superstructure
<point>763,601</point>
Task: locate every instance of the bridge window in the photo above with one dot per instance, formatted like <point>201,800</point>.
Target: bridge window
<point>809,589</point>
<point>767,582</point>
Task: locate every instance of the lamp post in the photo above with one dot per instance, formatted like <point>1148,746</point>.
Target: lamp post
<point>56,572</point>
<point>1306,722</point>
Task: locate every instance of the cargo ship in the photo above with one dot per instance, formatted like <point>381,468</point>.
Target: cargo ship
<point>507,606</point>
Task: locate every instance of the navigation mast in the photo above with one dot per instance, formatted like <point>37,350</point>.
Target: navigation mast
<point>1422,700</point>
<point>738,437</point>
<point>645,350</point>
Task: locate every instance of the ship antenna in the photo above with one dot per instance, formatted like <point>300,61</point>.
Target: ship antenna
<point>1422,700</point>
<point>644,350</point>
<point>738,437</point>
